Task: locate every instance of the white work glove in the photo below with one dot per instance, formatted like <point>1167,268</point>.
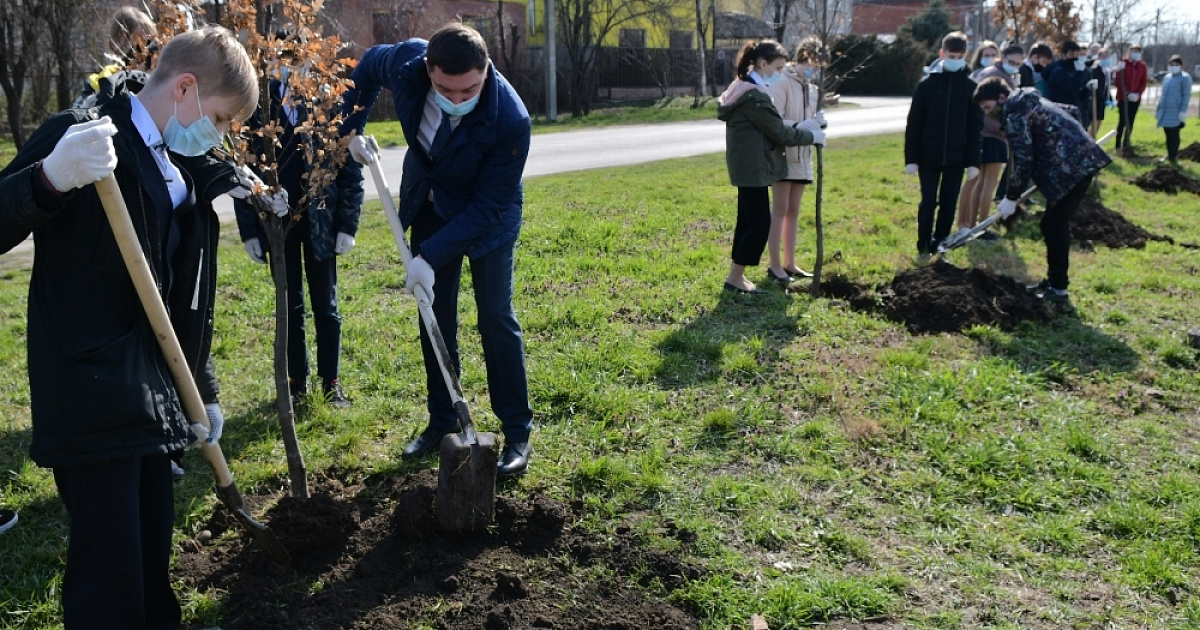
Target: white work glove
<point>419,273</point>
<point>972,172</point>
<point>910,169</point>
<point>814,127</point>
<point>1093,84</point>
<point>84,154</point>
<point>344,243</point>
<point>362,151</point>
<point>1007,208</point>
<point>1133,97</point>
<point>215,420</point>
<point>250,184</point>
<point>820,117</point>
<point>254,248</point>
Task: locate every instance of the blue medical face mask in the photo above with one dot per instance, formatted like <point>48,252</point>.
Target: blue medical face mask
<point>195,139</point>
<point>450,109</point>
<point>987,61</point>
<point>1011,69</point>
<point>1135,56</point>
<point>771,80</point>
<point>1175,69</point>
<point>1107,62</point>
<point>953,65</point>
<point>810,73</point>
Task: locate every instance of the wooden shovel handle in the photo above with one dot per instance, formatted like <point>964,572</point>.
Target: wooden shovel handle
<point>147,290</point>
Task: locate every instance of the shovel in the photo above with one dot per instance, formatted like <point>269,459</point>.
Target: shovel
<point>466,495</point>
<point>193,406</point>
<point>966,235</point>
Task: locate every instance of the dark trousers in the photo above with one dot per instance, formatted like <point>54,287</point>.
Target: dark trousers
<point>119,554</point>
<point>1056,231</point>
<point>939,194</point>
<point>322,292</point>
<point>1172,141</point>
<point>753,225</point>
<point>1126,114</point>
<point>499,332</point>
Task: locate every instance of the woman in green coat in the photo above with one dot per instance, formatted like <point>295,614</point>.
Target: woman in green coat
<point>755,136</point>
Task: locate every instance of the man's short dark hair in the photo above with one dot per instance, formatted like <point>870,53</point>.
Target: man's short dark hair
<point>990,89</point>
<point>1068,47</point>
<point>1012,49</point>
<point>1041,49</point>
<point>955,42</point>
<point>457,49</point>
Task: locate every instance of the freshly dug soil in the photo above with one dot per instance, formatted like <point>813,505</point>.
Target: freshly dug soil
<point>944,298</point>
<point>374,558</point>
<point>1166,178</point>
<point>1190,152</point>
<point>1094,223</point>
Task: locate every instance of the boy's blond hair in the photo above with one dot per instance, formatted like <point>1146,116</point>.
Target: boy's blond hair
<point>218,61</point>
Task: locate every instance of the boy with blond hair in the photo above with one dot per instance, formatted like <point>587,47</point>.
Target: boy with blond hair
<point>106,415</point>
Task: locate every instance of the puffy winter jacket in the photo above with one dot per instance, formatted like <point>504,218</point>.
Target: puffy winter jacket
<point>1173,102</point>
<point>944,123</point>
<point>755,135</point>
<point>1047,144</point>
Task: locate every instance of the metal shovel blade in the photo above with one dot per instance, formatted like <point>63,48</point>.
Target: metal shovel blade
<point>232,498</point>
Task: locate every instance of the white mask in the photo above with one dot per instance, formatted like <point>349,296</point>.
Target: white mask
<point>1175,69</point>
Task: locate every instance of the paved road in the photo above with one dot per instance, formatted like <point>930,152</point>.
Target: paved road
<point>568,151</point>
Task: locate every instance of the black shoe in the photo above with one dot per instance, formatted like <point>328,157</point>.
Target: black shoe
<point>297,390</point>
<point>782,281</point>
<point>798,273</point>
<point>335,396</point>
<point>733,289</point>
<point>989,235</point>
<point>428,442</point>
<point>1038,289</point>
<point>514,460</point>
<point>1060,302</point>
<point>8,518</point>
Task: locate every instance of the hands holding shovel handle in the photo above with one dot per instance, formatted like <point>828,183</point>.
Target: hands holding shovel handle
<point>147,290</point>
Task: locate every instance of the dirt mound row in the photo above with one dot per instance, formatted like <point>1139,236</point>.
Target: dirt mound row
<point>1190,152</point>
<point>382,562</point>
<point>1094,223</point>
<point>943,298</point>
<point>1165,178</point>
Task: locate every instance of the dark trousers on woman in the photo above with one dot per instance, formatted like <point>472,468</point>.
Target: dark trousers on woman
<point>753,225</point>
<point>1172,142</point>
<point>119,553</point>
<point>940,186</point>
<point>1056,231</point>
<point>321,276</point>
<point>499,334</point>
<point>1126,114</point>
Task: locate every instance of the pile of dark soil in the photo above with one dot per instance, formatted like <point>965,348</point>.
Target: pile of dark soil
<point>1094,223</point>
<point>1165,178</point>
<point>1190,152</point>
<point>943,298</point>
<point>381,562</point>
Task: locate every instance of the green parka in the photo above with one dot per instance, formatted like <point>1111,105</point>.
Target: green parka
<point>755,136</point>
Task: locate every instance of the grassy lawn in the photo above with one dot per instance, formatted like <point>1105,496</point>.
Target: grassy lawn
<point>832,465</point>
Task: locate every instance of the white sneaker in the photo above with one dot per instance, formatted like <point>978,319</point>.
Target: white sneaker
<point>176,471</point>
<point>8,518</point>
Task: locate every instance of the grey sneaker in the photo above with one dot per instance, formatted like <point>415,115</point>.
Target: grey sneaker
<point>177,472</point>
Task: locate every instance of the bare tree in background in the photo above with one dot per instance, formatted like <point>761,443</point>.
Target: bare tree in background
<point>780,11</point>
<point>1113,21</point>
<point>1029,20</point>
<point>18,27</point>
<point>64,22</point>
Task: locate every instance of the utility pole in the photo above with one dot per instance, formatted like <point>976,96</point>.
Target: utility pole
<point>551,65</point>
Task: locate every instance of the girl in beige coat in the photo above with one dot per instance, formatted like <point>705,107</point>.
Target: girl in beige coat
<point>796,97</point>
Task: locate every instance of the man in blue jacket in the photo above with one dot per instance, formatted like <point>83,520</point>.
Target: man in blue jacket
<point>460,194</point>
<point>1069,82</point>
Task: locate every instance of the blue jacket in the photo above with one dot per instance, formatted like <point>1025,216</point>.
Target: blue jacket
<point>336,209</point>
<point>1173,103</point>
<point>1066,85</point>
<point>476,181</point>
<point>1048,145</point>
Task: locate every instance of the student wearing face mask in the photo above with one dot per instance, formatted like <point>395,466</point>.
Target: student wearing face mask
<point>1131,79</point>
<point>976,197</point>
<point>985,57</point>
<point>1040,56</point>
<point>1069,81</point>
<point>755,136</point>
<point>942,140</point>
<point>797,98</point>
<point>1102,73</point>
<point>1173,106</point>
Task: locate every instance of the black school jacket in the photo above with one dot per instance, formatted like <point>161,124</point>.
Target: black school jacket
<point>100,388</point>
<point>944,123</point>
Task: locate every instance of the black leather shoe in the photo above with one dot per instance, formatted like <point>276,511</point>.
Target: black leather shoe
<point>428,442</point>
<point>335,396</point>
<point>514,460</point>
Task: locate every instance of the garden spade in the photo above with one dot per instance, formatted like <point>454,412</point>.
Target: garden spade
<point>466,495</point>
<point>185,384</point>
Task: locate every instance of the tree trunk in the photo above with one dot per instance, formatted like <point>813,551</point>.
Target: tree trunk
<point>277,230</point>
<point>819,264</point>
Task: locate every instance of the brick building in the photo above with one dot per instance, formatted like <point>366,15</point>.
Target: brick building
<point>885,17</point>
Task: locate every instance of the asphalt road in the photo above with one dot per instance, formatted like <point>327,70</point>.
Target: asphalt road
<point>568,151</point>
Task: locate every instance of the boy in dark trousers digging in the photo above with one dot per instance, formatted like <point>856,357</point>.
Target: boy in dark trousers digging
<point>942,139</point>
<point>105,410</point>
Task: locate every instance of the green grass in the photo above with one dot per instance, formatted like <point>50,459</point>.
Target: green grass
<point>832,465</point>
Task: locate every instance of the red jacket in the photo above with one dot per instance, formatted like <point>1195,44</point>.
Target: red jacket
<point>1131,78</point>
